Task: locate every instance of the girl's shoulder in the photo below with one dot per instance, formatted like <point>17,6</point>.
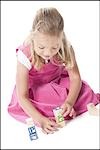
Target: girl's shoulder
<point>23,53</point>
<point>25,49</point>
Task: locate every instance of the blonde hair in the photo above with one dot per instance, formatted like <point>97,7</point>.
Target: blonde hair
<point>49,21</point>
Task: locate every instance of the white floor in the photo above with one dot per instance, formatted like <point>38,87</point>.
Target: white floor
<point>82,132</point>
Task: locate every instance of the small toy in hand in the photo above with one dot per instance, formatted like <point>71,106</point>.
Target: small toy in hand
<point>59,117</point>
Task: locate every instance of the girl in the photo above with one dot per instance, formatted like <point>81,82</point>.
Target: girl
<point>48,76</point>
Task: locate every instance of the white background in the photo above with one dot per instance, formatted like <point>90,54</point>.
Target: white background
<point>82,29</point>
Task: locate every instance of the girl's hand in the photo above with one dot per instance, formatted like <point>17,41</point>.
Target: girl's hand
<point>48,126</point>
<point>68,109</point>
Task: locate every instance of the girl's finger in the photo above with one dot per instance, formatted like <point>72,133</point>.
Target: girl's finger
<point>63,110</point>
<point>74,114</point>
<point>44,131</point>
<point>71,113</point>
<point>53,123</point>
<point>52,128</point>
<point>47,131</point>
<point>67,112</point>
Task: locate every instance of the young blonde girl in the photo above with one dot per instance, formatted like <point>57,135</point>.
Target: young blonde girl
<point>48,75</point>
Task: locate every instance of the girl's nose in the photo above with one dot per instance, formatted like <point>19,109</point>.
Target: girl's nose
<point>47,53</point>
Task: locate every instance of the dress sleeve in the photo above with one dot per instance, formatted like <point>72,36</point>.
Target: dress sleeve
<point>24,55</point>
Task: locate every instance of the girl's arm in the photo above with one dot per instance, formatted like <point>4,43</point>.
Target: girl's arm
<point>22,92</point>
<point>47,125</point>
<point>74,89</point>
<point>75,82</point>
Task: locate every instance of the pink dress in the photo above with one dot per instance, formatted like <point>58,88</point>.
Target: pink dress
<point>48,89</point>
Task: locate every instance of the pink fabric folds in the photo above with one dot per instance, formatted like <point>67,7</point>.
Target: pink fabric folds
<point>48,89</point>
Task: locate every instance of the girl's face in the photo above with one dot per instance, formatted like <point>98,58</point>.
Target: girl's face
<point>46,46</point>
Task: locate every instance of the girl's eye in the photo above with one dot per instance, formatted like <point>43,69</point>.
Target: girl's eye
<point>41,47</point>
<point>54,48</point>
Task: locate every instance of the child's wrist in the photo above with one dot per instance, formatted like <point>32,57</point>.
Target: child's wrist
<point>41,119</point>
<point>69,102</point>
